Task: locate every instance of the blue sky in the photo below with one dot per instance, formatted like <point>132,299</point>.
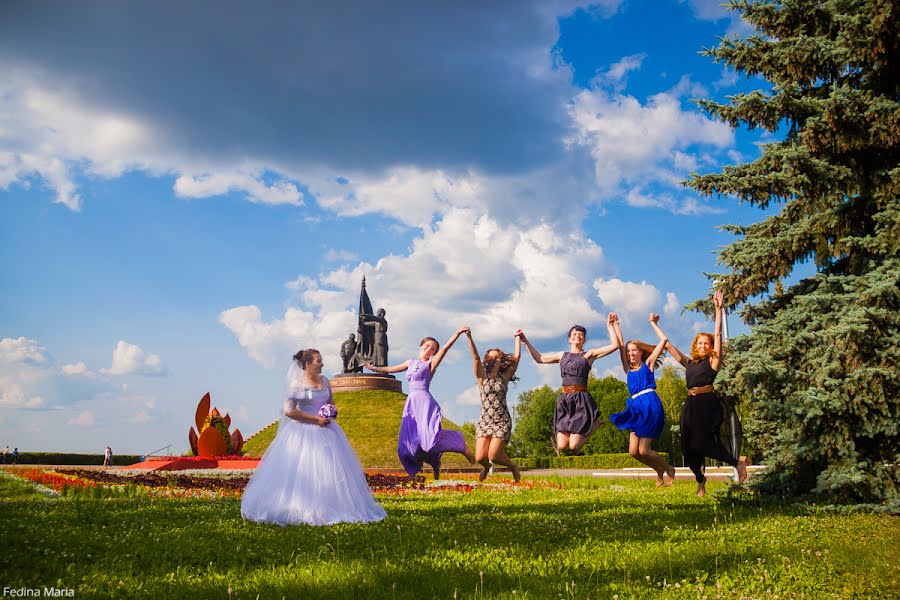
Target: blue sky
<point>191,194</point>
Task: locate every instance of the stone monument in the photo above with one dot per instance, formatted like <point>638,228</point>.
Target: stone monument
<point>369,345</point>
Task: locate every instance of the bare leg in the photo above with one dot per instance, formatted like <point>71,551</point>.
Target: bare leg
<point>498,456</point>
<point>652,458</point>
<point>481,456</point>
<point>562,441</point>
<point>577,441</point>
<point>742,470</point>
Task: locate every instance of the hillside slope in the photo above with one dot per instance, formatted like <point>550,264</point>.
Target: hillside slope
<point>371,420</point>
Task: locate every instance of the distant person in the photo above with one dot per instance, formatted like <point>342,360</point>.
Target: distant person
<point>15,456</point>
<point>643,416</point>
<point>494,427</point>
<point>107,457</point>
<point>310,473</point>
<point>422,440</point>
<point>575,417</point>
<point>702,415</point>
<point>5,454</point>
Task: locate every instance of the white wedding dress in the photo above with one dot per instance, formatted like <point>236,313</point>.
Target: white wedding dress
<point>309,474</point>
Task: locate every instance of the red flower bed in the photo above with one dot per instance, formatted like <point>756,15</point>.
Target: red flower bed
<point>52,479</point>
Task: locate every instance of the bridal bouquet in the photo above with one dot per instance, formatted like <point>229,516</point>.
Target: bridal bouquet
<point>329,411</point>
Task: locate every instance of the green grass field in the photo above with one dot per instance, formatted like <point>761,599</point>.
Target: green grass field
<point>371,421</point>
<point>588,539</point>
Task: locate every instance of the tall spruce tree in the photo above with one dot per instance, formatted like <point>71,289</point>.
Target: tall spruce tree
<point>820,364</point>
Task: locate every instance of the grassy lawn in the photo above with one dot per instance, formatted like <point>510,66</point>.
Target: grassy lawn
<point>571,538</point>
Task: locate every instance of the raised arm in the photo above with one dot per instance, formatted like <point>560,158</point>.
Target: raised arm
<point>663,340</point>
<point>510,371</point>
<point>479,367</point>
<point>439,355</point>
<point>614,319</point>
<point>717,339</point>
<point>539,358</point>
<point>395,369</point>
<point>682,358</point>
<point>595,353</point>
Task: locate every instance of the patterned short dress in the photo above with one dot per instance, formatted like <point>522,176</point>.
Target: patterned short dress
<point>494,420</point>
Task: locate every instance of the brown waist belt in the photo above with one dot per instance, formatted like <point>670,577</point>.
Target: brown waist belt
<point>703,389</point>
<point>571,389</point>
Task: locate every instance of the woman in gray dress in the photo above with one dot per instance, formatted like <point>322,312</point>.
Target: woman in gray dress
<point>493,374</point>
<point>575,417</point>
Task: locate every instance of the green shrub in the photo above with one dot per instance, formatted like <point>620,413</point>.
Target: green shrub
<point>597,461</point>
<point>65,458</point>
<point>533,463</point>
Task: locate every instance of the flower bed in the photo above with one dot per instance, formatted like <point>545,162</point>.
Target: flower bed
<point>210,483</point>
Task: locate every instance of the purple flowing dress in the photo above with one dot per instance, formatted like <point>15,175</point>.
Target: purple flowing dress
<point>421,437</point>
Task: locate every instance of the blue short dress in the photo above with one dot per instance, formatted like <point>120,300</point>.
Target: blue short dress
<point>643,414</point>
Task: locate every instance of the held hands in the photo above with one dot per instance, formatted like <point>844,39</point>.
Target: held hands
<point>612,319</point>
<point>521,334</point>
<point>654,318</point>
<point>464,330</point>
<point>371,367</point>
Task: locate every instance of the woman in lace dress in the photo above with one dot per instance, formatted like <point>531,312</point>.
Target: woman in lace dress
<point>493,374</point>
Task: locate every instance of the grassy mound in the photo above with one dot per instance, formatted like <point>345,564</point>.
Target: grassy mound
<point>371,420</point>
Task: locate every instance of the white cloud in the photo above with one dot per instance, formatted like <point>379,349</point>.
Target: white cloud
<point>12,396</point>
<point>130,359</point>
<point>626,298</point>
<point>727,80</point>
<point>617,72</point>
<point>467,269</point>
<point>251,183</point>
<point>84,419</point>
<point>717,10</point>
<point>632,142</point>
<point>469,397</point>
<point>334,255</point>
<point>683,205</point>
<point>78,368</point>
<point>673,305</point>
<point>23,350</point>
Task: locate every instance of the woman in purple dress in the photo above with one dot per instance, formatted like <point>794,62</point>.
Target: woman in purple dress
<point>575,417</point>
<point>421,438</point>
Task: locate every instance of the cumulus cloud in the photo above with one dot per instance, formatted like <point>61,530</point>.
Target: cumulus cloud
<point>617,72</point>
<point>469,397</point>
<point>634,144</point>
<point>12,396</point>
<point>84,419</point>
<point>251,183</point>
<point>335,255</point>
<point>130,359</point>
<point>440,86</point>
<point>466,269</point>
<point>79,368</point>
<point>23,350</point>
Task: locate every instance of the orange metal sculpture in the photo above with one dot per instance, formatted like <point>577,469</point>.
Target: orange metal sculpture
<point>214,439</point>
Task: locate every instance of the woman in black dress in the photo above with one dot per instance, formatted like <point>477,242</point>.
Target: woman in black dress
<point>575,417</point>
<point>702,415</point>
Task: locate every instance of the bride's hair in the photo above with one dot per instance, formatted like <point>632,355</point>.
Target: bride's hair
<point>304,357</point>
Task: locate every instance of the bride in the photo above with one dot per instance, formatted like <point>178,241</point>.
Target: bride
<point>309,474</point>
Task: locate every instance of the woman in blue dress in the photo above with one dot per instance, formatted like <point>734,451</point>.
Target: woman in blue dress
<point>575,417</point>
<point>643,415</point>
